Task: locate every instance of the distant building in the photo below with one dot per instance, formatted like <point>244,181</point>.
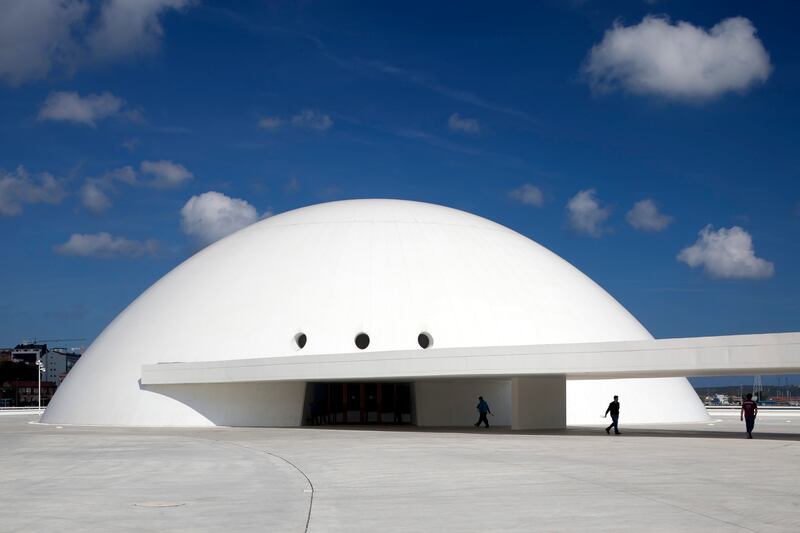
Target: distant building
<point>5,355</point>
<point>28,352</point>
<point>58,362</point>
<point>26,393</point>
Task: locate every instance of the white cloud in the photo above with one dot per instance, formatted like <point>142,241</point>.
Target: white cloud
<point>270,123</point>
<point>36,35</point>
<point>585,213</point>
<point>310,119</point>
<point>680,60</point>
<point>645,216</point>
<point>166,174</point>
<point>461,124</point>
<point>20,188</point>
<point>124,174</point>
<point>726,253</point>
<point>105,246</point>
<point>96,192</point>
<point>72,107</point>
<point>39,36</point>
<point>212,215</point>
<point>127,27</point>
<point>94,198</point>
<point>528,194</point>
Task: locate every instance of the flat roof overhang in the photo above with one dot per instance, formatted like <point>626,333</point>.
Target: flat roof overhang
<point>771,353</point>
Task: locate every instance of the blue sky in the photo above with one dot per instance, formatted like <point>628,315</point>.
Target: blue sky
<point>552,118</point>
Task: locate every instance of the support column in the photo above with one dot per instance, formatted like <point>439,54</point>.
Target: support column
<point>379,393</point>
<point>539,402</point>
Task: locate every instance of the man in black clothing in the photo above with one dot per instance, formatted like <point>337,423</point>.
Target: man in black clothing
<point>748,414</point>
<point>613,408</point>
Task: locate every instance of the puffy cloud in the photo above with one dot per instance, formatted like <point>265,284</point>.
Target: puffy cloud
<point>19,188</point>
<point>461,124</point>
<point>585,213</point>
<point>72,107</point>
<point>528,194</point>
<point>95,192</point>
<point>726,253</point>
<point>212,215</point>
<point>270,123</point>
<point>165,174</point>
<point>105,246</point>
<point>310,119</point>
<point>38,36</point>
<point>124,174</point>
<point>645,216</point>
<point>679,61</point>
<point>94,198</point>
<point>129,27</point>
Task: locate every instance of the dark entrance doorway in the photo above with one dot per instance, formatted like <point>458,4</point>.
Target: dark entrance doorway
<point>358,403</point>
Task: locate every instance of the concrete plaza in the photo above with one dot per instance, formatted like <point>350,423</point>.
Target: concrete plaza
<point>704,477</point>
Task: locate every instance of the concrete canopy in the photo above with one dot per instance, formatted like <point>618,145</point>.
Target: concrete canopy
<point>389,269</point>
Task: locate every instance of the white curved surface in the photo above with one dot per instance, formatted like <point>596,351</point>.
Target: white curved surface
<point>389,268</point>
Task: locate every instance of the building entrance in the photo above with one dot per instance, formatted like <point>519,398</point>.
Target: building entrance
<point>358,403</point>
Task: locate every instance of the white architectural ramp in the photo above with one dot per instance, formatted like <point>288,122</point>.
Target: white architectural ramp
<point>772,353</point>
<point>537,374</point>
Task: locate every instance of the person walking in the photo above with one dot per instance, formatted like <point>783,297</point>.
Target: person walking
<point>482,408</point>
<point>748,414</point>
<point>613,408</point>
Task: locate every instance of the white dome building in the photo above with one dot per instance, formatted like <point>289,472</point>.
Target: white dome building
<point>320,276</point>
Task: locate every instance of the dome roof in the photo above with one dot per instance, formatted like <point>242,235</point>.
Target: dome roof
<point>390,269</point>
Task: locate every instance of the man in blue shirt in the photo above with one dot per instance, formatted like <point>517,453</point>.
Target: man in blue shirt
<point>483,408</point>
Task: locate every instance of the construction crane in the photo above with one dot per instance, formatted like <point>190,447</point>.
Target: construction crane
<point>42,341</point>
<point>758,388</point>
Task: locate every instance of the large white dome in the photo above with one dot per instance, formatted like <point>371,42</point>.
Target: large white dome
<point>388,268</point>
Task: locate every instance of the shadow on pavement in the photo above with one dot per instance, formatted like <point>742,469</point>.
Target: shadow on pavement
<point>577,431</point>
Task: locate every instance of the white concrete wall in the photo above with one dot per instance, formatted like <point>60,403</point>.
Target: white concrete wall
<point>277,404</point>
<point>642,401</point>
<point>539,403</point>
<point>452,402</point>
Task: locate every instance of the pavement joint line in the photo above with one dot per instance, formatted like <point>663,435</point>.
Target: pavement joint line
<point>310,491</point>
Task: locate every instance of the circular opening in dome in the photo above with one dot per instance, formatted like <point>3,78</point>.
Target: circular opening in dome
<point>425,340</point>
<point>300,340</point>
<point>362,341</point>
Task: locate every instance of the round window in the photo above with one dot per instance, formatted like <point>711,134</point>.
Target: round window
<point>362,341</point>
<point>425,340</point>
<point>300,339</point>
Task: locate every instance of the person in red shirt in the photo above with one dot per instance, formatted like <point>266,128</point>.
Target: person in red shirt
<point>748,414</point>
